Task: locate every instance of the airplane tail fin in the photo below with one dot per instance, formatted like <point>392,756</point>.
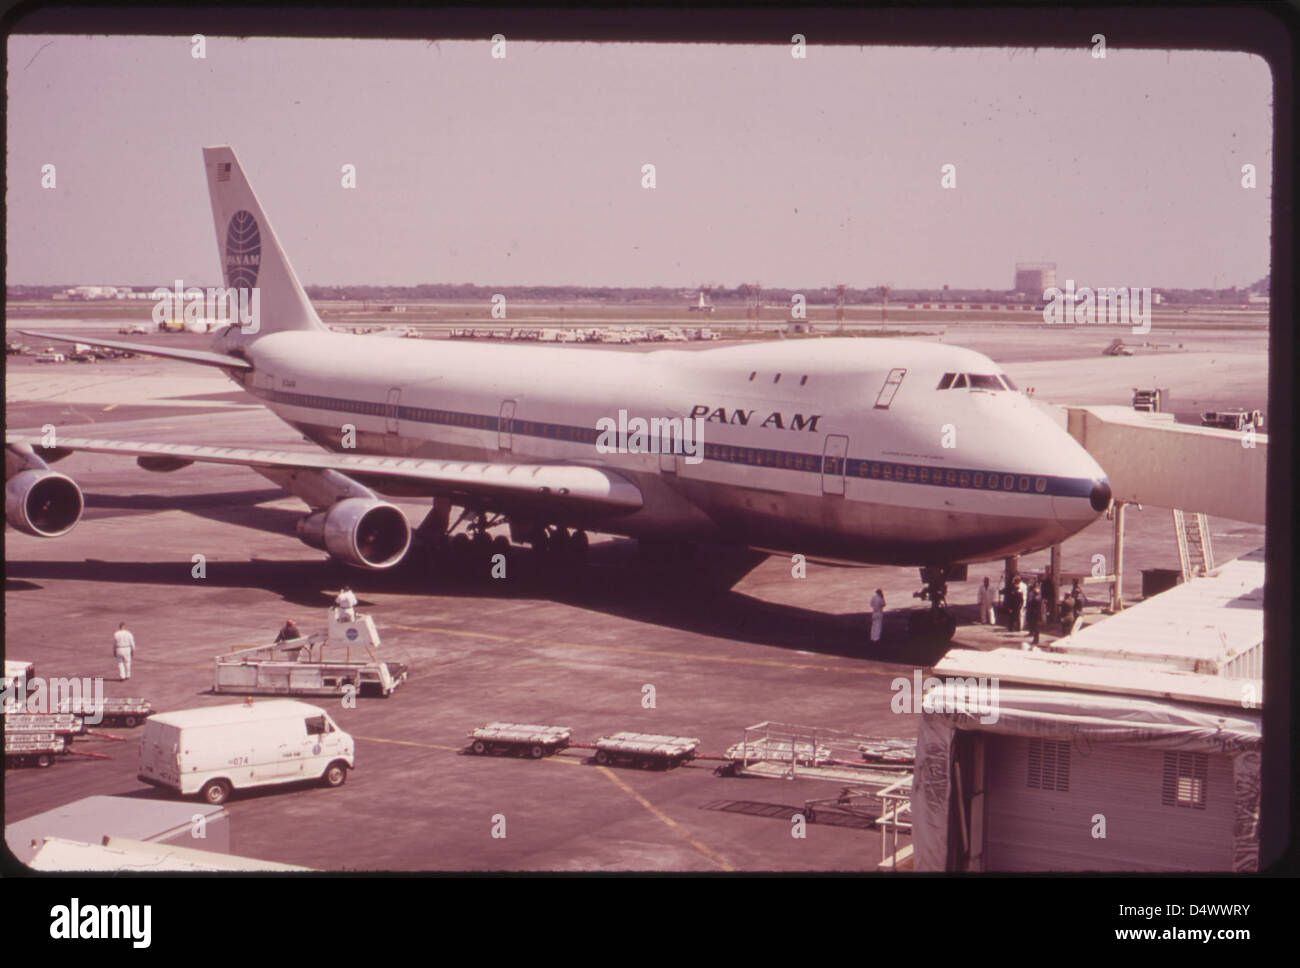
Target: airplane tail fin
<point>251,256</point>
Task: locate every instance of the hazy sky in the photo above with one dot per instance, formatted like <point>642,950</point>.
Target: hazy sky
<point>1124,171</point>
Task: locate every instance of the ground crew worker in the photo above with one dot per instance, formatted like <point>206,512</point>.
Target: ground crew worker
<point>986,603</point>
<point>1034,611</point>
<point>1013,604</point>
<point>123,650</point>
<point>346,603</point>
<point>290,631</point>
<point>877,615</point>
<point>1022,600</point>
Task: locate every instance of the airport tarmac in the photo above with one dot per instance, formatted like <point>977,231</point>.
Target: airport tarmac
<point>728,640</point>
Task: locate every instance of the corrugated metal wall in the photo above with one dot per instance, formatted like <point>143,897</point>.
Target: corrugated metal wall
<point>1040,808</point>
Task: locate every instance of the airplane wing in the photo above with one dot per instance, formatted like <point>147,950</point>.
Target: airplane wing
<point>541,486</point>
<point>169,352</point>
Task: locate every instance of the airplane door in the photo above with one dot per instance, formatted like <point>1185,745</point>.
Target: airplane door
<point>668,446</point>
<point>505,435</point>
<point>833,463</point>
<point>390,410</point>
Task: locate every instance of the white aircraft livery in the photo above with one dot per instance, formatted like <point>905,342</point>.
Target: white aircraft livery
<point>878,451</point>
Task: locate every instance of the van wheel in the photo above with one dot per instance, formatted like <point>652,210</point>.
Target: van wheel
<point>44,760</point>
<point>215,792</point>
<point>130,722</point>
<point>336,774</point>
<point>479,747</point>
<point>538,751</point>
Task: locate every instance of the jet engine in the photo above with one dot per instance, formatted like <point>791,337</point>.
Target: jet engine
<point>360,531</point>
<point>42,502</point>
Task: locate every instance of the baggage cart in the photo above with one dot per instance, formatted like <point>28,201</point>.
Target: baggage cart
<point>126,712</point>
<point>647,750</point>
<point>520,738</point>
<point>33,748</point>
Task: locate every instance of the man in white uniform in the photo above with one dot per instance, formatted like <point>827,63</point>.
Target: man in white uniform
<point>986,603</point>
<point>877,615</point>
<point>123,650</point>
<point>346,603</point>
<point>1023,590</point>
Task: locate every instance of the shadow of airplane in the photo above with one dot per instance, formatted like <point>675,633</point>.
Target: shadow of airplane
<point>696,594</point>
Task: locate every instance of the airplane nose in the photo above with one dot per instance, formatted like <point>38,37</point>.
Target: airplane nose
<point>1100,496</point>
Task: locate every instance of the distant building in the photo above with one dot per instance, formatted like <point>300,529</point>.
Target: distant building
<point>1034,278</point>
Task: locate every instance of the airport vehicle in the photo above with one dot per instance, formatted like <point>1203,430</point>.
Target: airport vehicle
<point>827,448</point>
<point>132,329</point>
<point>522,738</point>
<point>49,356</point>
<point>1232,419</point>
<point>317,665</point>
<point>16,673</point>
<point>217,749</point>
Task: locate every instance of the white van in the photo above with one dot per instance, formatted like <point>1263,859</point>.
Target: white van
<point>214,750</point>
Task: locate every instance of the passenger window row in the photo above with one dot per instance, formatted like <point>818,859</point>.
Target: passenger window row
<point>911,474</point>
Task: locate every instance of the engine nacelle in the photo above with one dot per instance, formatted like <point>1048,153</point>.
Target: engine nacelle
<point>43,503</point>
<point>360,531</point>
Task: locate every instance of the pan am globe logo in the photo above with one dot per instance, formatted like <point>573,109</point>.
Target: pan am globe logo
<point>243,251</point>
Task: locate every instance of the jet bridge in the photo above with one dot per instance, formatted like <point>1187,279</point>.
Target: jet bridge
<point>1150,459</point>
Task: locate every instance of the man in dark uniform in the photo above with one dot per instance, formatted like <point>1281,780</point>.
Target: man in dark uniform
<point>1034,611</point>
<point>290,631</point>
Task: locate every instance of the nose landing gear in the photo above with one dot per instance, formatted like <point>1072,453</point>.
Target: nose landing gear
<point>935,624</point>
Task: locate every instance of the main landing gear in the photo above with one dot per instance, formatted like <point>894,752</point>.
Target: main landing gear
<point>475,544</point>
<point>935,624</point>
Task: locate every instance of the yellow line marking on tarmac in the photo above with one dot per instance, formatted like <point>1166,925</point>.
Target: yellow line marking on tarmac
<point>736,660</point>
<point>108,408</point>
<point>407,742</point>
<point>617,781</point>
<point>676,827</point>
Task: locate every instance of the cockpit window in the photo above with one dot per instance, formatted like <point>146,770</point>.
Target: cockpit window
<point>976,381</point>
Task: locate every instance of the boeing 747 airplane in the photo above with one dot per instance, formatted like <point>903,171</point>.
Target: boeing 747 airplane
<point>876,451</point>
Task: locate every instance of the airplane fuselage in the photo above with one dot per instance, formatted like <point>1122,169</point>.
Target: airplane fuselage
<point>834,448</point>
